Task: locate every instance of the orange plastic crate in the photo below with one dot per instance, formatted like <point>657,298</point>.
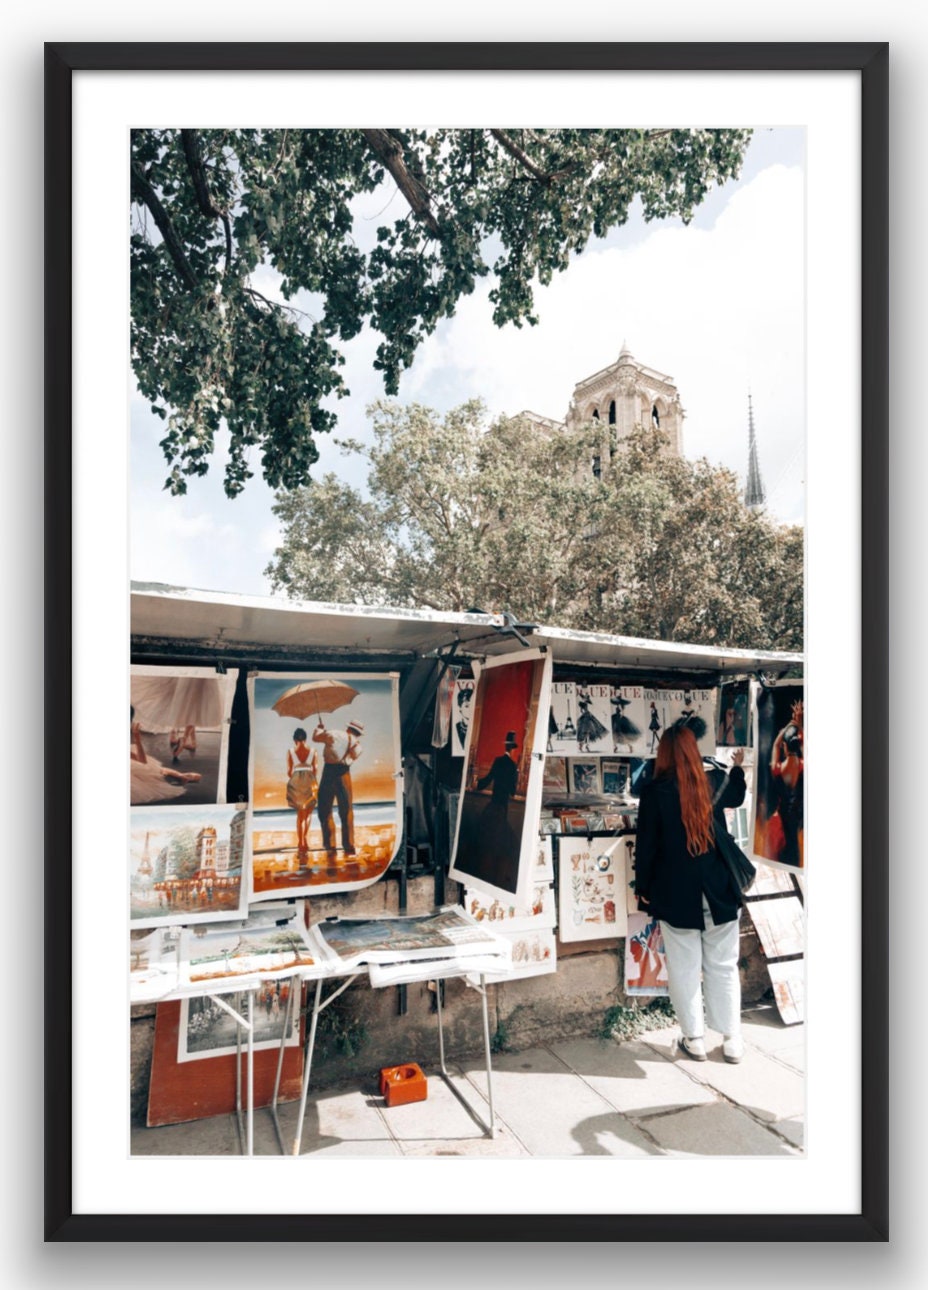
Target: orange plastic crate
<point>402,1084</point>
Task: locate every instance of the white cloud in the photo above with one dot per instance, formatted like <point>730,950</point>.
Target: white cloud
<point>717,309</point>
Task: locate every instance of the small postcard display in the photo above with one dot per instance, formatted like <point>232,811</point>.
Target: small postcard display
<point>187,848</point>
<point>777,832</point>
<point>325,776</point>
<point>645,958</point>
<point>591,888</point>
<point>495,844</point>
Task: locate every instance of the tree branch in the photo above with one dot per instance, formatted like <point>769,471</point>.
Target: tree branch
<point>389,151</point>
<point>506,141</point>
<point>143,192</point>
<point>190,140</point>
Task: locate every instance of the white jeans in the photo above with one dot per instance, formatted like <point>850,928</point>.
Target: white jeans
<point>704,960</point>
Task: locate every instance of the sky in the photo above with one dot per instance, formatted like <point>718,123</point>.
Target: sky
<point>718,305</point>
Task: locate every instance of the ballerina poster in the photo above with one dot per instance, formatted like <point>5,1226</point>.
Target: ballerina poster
<point>325,776</point>
<point>178,735</point>
<point>496,838</point>
<point>779,773</point>
<point>695,708</point>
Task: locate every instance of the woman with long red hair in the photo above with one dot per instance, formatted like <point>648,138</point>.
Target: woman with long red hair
<point>681,880</point>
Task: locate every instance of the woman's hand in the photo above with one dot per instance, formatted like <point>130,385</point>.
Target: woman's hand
<point>737,757</point>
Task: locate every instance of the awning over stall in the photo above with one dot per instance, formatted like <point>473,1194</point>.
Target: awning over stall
<point>172,620</point>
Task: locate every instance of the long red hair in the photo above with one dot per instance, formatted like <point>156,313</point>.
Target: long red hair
<point>678,758</point>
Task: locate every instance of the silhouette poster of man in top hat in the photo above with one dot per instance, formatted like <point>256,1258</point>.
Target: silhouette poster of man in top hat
<point>498,839</point>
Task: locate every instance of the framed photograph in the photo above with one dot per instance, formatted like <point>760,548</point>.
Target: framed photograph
<point>832,101</point>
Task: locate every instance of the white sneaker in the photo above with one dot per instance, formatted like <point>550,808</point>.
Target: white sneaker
<point>695,1048</point>
<point>733,1049</point>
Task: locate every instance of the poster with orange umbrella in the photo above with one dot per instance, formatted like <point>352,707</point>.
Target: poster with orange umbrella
<point>325,776</point>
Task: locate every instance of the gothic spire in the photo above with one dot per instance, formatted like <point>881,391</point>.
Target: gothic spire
<point>754,494</point>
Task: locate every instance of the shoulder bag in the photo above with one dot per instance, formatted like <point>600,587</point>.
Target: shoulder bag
<point>739,866</point>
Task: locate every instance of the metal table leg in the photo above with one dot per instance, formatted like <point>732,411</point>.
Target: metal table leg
<point>295,991</point>
<point>246,1131</point>
<point>319,1005</point>
<point>489,1129</point>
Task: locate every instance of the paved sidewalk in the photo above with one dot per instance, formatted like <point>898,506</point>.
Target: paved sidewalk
<point>572,1097</point>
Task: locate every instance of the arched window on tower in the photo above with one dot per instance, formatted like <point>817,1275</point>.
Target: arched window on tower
<point>613,430</point>
<point>612,413</point>
<point>655,416</point>
<point>595,414</point>
<point>597,467</point>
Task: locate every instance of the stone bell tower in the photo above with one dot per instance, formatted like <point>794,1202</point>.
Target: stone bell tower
<point>625,396</point>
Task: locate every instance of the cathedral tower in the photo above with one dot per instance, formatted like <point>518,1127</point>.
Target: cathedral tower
<point>627,395</point>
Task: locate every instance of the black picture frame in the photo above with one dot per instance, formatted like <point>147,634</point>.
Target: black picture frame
<point>868,60</point>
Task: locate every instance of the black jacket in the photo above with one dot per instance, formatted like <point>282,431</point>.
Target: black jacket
<point>668,879</point>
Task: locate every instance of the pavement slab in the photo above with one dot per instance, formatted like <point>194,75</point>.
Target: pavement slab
<point>717,1130</point>
<point>553,1113</point>
<point>760,1084</point>
<point>631,1076</point>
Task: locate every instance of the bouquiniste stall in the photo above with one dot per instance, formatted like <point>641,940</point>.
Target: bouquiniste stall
<point>389,762</point>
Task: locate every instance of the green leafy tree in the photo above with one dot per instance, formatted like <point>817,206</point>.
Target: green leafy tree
<point>210,207</point>
<point>511,516</point>
<point>699,566</point>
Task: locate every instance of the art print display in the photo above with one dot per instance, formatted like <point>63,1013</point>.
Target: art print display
<point>616,776</point>
<point>153,965</point>
<point>583,776</point>
<point>591,883</point>
<point>645,957</point>
<point>444,704</point>
<point>594,718</point>
<point>695,708</point>
<point>544,860</point>
<point>501,792</point>
<point>629,720</point>
<point>187,864</point>
<point>533,953</point>
<point>207,1030</point>
<point>178,735</point>
<point>779,762</point>
<point>562,718</point>
<point>448,934</point>
<point>509,918</point>
<point>628,851</point>
<point>193,1090</point>
<point>325,775</point>
<point>734,726</point>
<point>554,783</point>
<point>780,925</point>
<point>789,990</point>
<point>261,947</point>
<point>461,704</point>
